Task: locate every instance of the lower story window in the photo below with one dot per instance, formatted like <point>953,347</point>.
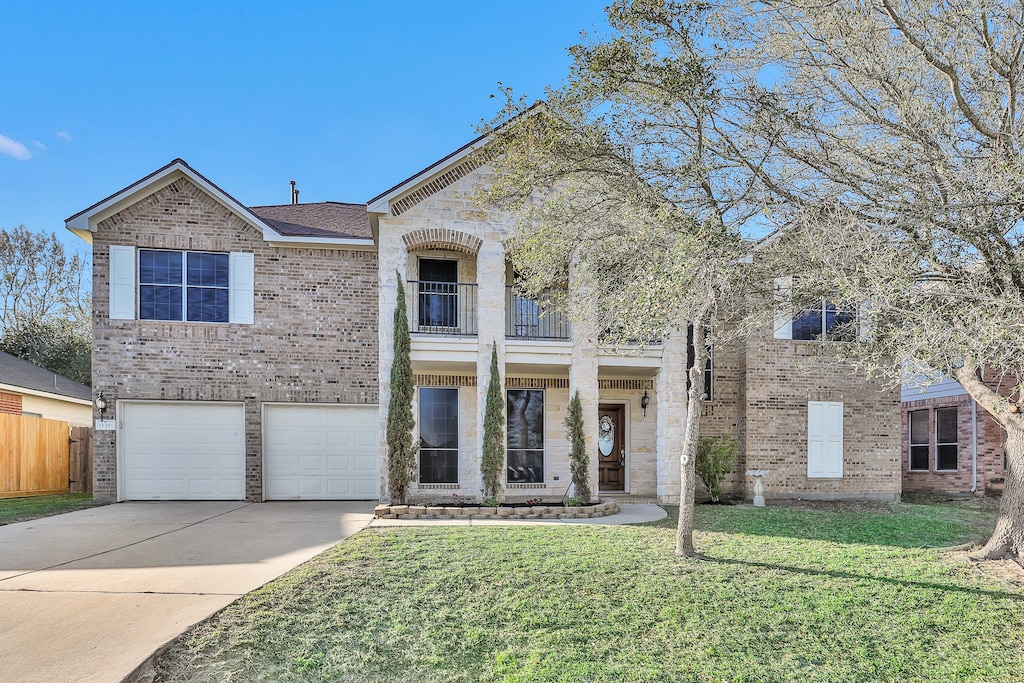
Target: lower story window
<point>525,410</point>
<point>919,440</point>
<point>439,436</point>
<point>945,439</point>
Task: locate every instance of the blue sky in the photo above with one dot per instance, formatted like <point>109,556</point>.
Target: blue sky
<point>346,98</point>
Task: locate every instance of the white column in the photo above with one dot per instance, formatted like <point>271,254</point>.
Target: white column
<point>490,312</point>
<point>671,415</point>
<point>391,257</point>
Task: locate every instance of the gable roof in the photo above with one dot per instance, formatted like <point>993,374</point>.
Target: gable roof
<point>318,219</point>
<point>298,232</point>
<point>19,373</point>
<point>439,174</point>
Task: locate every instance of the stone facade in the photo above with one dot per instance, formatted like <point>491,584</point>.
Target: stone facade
<point>975,429</point>
<point>314,339</point>
<point>761,387</point>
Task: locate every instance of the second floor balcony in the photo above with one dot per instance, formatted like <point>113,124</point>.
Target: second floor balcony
<point>541,318</point>
<point>443,308</point>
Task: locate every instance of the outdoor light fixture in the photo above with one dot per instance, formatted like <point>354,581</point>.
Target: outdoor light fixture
<point>101,404</point>
<point>645,401</point>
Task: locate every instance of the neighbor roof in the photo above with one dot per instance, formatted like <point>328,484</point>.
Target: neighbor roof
<point>18,372</point>
<point>318,219</point>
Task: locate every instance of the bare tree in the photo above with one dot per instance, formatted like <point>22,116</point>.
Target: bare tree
<point>888,138</point>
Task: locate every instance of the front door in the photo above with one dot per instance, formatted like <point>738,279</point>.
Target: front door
<point>611,448</point>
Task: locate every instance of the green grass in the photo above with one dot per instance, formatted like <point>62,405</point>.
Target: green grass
<point>782,595</point>
<point>23,509</point>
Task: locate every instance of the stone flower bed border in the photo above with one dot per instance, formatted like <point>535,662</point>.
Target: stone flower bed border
<point>482,512</point>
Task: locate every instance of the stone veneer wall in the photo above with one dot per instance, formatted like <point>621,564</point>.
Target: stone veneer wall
<point>781,377</point>
<point>314,339</point>
<point>990,449</point>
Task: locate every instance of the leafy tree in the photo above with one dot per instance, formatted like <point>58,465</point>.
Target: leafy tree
<point>401,449</point>
<point>494,434</point>
<point>45,308</point>
<point>621,198</point>
<point>39,279</point>
<point>579,462</point>
<point>58,345</point>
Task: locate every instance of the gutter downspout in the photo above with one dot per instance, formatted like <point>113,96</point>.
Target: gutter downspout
<point>974,446</point>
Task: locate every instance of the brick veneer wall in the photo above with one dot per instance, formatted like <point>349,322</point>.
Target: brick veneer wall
<point>781,377</point>
<point>10,403</point>
<point>990,449</point>
<point>314,339</point>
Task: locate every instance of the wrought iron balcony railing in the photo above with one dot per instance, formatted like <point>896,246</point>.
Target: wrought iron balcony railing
<point>540,318</point>
<point>445,308</point>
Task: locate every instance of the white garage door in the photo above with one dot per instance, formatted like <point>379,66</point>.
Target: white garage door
<point>183,451</point>
<point>320,452</point>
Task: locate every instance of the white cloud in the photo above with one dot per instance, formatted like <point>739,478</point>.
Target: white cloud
<point>13,148</point>
<point>38,144</point>
<point>64,135</point>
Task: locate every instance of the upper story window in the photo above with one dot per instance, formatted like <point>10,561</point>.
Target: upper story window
<point>176,285</point>
<point>187,286</point>
<point>827,321</point>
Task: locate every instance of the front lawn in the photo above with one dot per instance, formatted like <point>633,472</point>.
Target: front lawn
<point>783,595</point>
<point>23,509</point>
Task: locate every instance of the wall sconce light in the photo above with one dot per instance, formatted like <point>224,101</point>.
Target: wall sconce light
<point>101,404</point>
<point>645,401</point>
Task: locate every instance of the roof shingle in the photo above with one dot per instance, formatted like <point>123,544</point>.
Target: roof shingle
<point>18,372</point>
<point>317,219</point>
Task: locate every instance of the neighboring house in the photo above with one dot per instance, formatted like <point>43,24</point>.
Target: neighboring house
<point>950,443</point>
<point>245,352</point>
<point>27,389</point>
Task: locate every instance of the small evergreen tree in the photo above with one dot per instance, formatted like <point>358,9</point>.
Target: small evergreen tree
<point>494,437</point>
<point>579,462</point>
<point>401,450</point>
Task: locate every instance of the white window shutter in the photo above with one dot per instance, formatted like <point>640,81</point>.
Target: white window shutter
<point>783,314</point>
<point>824,439</point>
<point>122,282</point>
<point>240,299</point>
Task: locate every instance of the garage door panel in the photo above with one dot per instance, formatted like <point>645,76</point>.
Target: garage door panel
<point>183,451</point>
<point>312,451</point>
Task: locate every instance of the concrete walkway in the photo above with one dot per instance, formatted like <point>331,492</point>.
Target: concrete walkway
<point>89,595</point>
<point>628,514</point>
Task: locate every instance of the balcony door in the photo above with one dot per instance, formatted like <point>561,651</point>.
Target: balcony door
<point>438,293</point>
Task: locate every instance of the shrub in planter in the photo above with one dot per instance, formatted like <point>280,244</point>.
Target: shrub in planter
<point>716,456</point>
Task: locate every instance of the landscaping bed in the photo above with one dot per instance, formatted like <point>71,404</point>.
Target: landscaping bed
<point>505,511</point>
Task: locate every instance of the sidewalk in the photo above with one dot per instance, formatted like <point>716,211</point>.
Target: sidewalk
<point>628,514</point>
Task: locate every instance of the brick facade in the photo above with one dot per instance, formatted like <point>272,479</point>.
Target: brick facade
<point>989,436</point>
<point>10,403</point>
<point>314,339</point>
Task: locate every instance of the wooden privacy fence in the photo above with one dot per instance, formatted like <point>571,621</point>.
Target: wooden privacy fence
<point>39,456</point>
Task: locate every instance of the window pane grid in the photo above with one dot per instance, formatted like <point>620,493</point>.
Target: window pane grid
<point>439,435</point>
<point>163,294</point>
<point>945,439</point>
<point>919,439</point>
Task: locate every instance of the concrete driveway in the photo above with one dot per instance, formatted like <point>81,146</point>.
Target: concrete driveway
<point>89,595</point>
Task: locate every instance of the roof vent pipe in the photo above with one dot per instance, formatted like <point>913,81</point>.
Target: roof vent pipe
<point>295,193</point>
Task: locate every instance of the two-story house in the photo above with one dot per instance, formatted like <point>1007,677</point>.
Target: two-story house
<point>246,353</point>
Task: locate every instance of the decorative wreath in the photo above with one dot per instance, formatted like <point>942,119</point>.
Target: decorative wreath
<point>605,435</point>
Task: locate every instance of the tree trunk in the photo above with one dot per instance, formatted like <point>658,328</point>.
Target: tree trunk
<point>1007,539</point>
<point>687,459</point>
